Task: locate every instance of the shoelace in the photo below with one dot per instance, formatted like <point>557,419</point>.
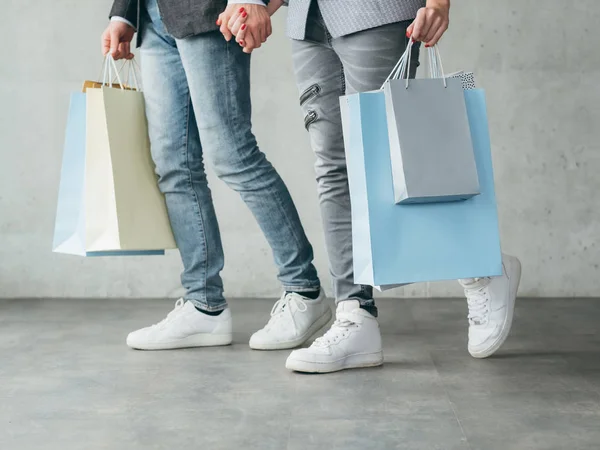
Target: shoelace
<point>178,305</point>
<point>478,300</point>
<point>283,306</point>
<point>340,329</point>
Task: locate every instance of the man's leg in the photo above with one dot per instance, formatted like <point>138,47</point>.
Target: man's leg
<point>218,73</point>
<point>177,153</point>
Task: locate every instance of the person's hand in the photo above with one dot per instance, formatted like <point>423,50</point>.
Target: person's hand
<point>431,22</point>
<point>239,29</point>
<point>252,21</point>
<point>116,39</point>
<point>237,26</point>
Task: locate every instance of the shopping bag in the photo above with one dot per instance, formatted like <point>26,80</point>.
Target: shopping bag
<point>395,244</point>
<point>109,202</point>
<point>430,143</point>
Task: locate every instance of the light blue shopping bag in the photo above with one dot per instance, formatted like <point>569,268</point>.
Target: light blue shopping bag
<point>69,231</point>
<point>397,244</point>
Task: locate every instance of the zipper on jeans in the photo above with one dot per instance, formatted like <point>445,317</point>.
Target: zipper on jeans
<point>311,92</point>
<point>310,118</point>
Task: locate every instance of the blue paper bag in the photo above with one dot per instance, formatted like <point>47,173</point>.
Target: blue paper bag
<point>396,244</point>
<point>69,231</point>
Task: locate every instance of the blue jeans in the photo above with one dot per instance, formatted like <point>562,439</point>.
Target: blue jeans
<point>197,93</point>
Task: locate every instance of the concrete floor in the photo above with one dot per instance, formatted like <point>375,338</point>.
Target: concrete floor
<point>67,381</point>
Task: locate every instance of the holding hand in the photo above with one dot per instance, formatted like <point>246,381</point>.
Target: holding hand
<point>239,24</point>
<point>431,22</point>
<point>253,22</point>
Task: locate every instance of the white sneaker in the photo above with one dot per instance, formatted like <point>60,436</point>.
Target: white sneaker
<point>184,327</point>
<point>294,319</point>
<point>491,307</point>
<point>354,340</point>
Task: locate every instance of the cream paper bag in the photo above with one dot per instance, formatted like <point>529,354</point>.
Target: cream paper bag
<point>124,208</point>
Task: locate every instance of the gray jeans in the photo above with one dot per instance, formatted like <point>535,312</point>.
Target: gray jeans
<point>327,68</point>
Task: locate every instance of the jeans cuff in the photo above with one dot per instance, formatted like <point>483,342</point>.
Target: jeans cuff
<point>204,305</point>
<point>367,305</point>
<point>302,288</point>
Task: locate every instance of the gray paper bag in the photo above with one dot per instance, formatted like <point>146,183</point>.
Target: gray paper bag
<point>430,141</point>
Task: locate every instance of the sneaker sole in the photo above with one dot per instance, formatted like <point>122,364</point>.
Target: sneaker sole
<point>507,325</point>
<point>313,329</point>
<point>356,361</point>
<point>196,340</point>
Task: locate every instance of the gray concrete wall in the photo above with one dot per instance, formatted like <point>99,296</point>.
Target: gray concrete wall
<point>539,62</point>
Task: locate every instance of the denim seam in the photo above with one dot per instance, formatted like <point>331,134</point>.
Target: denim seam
<point>204,305</point>
<point>328,37</point>
<point>197,202</point>
<point>229,84</point>
<point>342,80</point>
